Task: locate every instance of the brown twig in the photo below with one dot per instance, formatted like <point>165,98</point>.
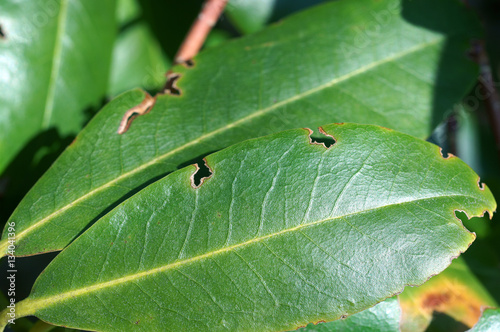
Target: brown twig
<point>210,13</point>
<point>493,99</point>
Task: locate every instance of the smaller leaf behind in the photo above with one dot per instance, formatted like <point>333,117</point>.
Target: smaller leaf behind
<point>455,296</point>
<point>489,321</point>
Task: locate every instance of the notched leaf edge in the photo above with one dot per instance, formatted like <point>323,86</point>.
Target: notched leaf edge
<point>327,140</point>
<point>202,173</point>
<point>448,155</point>
<point>480,184</point>
<point>460,252</point>
<point>171,87</point>
<point>144,107</point>
<point>188,63</point>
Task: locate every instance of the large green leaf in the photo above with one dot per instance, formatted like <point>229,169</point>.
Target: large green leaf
<point>489,321</point>
<point>285,232</point>
<point>54,61</point>
<point>383,317</point>
<point>306,71</point>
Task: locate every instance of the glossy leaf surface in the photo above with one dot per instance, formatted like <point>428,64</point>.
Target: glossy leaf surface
<point>255,86</point>
<point>54,65</point>
<point>285,232</point>
<point>383,317</point>
<point>489,321</point>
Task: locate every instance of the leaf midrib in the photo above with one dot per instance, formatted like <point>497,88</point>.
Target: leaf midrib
<point>47,301</point>
<point>255,114</point>
<point>56,64</point>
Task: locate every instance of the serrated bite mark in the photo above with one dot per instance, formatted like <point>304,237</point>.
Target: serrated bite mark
<point>188,63</point>
<point>446,155</point>
<point>325,139</point>
<point>144,107</point>
<point>203,172</point>
<point>480,184</point>
<point>171,87</point>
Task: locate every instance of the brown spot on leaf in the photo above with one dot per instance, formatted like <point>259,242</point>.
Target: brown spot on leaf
<point>433,301</point>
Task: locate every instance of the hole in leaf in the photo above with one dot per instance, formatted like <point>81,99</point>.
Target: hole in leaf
<point>321,138</point>
<point>202,172</point>
<point>170,86</point>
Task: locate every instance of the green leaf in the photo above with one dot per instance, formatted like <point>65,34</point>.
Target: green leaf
<point>307,71</point>
<point>252,16</point>
<point>284,232</point>
<point>55,61</point>
<point>383,317</point>
<point>489,321</point>
<point>138,61</point>
<point>455,296</point>
<point>249,16</point>
<point>127,11</point>
<point>216,37</point>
